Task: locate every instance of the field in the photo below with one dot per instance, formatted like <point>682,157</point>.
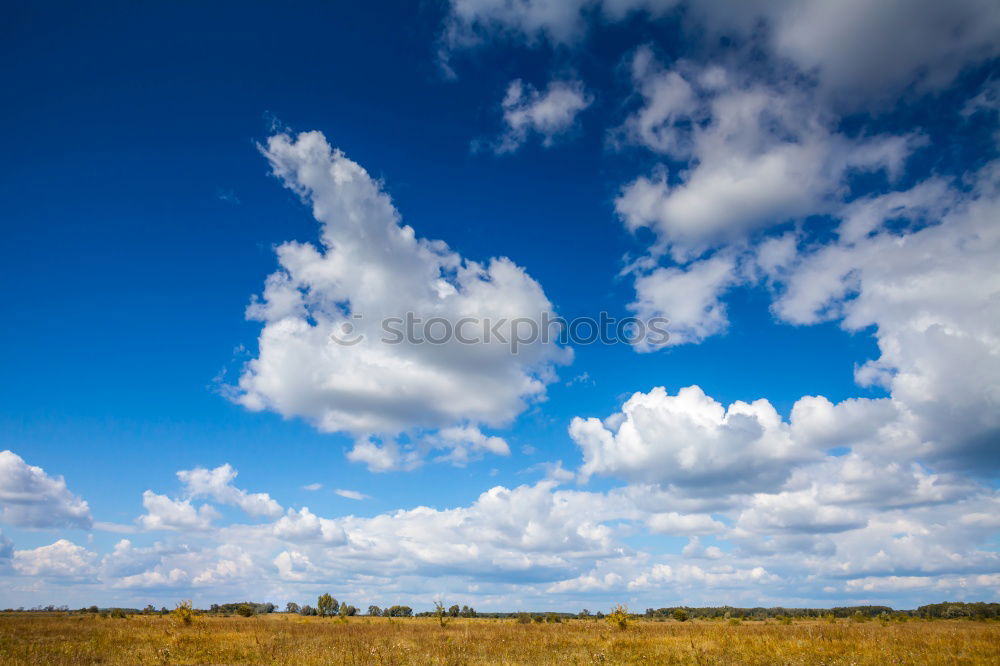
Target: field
<point>54,638</point>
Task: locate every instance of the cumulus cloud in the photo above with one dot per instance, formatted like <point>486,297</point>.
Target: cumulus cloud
<point>674,523</point>
<point>549,114</point>
<point>31,498</point>
<point>163,513</point>
<point>857,52</point>
<point>217,484</point>
<point>929,287</point>
<point>690,440</point>
<point>368,268</point>
<point>759,155</point>
<point>62,559</point>
<point>690,297</point>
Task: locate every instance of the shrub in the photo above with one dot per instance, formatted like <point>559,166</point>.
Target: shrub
<point>118,614</point>
<point>680,615</point>
<point>784,619</point>
<point>523,618</point>
<point>619,617</point>
<point>245,610</point>
<point>184,613</point>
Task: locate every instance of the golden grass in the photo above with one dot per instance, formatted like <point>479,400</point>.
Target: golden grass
<point>53,638</point>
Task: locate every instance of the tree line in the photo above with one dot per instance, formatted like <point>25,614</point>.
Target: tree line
<point>328,606</point>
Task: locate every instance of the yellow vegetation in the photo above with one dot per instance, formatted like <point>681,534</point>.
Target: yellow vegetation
<point>54,638</point>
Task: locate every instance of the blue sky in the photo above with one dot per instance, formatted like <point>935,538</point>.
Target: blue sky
<point>809,196</point>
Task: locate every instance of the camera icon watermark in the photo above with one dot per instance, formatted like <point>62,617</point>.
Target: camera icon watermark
<point>517,332</point>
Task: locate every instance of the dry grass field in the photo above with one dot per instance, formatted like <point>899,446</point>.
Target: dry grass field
<point>52,638</point>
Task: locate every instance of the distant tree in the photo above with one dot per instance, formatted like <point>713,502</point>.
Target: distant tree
<point>149,609</point>
<point>523,618</point>
<point>307,610</point>
<point>584,614</point>
<point>454,610</point>
<point>374,611</point>
<point>92,609</point>
<point>246,610</point>
<point>680,615</point>
<point>118,614</point>
<point>326,606</point>
<point>440,613</point>
<point>291,607</point>
<point>400,611</point>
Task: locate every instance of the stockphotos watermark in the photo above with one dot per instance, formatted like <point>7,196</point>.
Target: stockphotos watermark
<point>515,332</point>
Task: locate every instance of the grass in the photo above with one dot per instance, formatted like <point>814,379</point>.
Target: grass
<point>54,638</point>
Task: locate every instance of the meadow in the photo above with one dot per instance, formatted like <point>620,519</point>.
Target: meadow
<point>66,638</point>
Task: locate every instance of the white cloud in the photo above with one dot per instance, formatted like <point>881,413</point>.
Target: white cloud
<point>313,487</point>
<point>690,298</point>
<point>304,525</point>
<point>163,513</point>
<point>691,441</point>
<point>759,155</point>
<point>292,565</point>
<point>861,51</point>
<point>798,512</point>
<point>684,524</point>
<point>858,52</point>
<point>62,559</point>
<point>217,484</point>
<point>31,498</point>
<point>929,287</point>
<point>351,494</point>
<point>368,268</point>
<point>549,114</point>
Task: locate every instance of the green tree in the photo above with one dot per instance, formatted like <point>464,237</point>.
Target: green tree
<point>374,611</point>
<point>440,613</point>
<point>291,607</point>
<point>680,615</point>
<point>245,610</point>
<point>326,606</point>
<point>453,610</point>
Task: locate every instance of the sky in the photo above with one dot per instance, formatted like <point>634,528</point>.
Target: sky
<point>210,212</point>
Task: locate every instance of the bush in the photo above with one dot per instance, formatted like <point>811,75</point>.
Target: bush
<point>619,617</point>
<point>523,618</point>
<point>184,613</point>
<point>118,614</point>
<point>245,610</point>
<point>680,615</point>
